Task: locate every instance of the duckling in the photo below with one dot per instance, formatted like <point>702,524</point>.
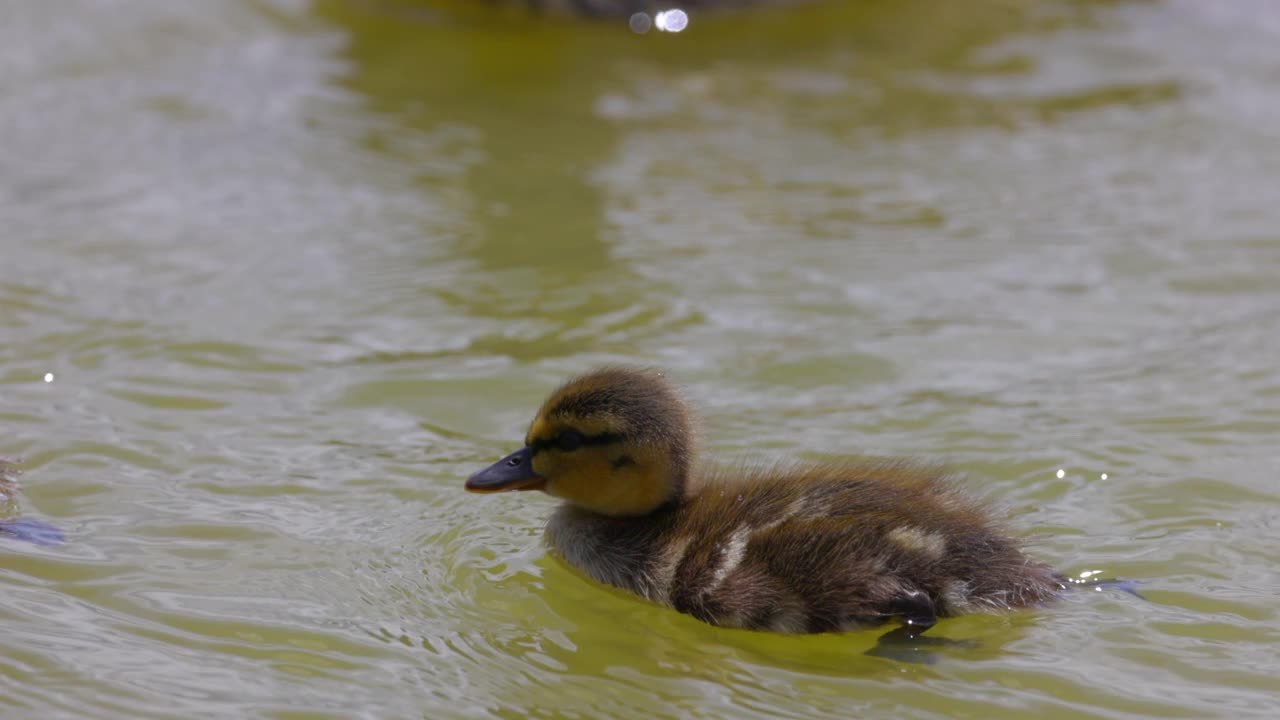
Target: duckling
<point>795,549</point>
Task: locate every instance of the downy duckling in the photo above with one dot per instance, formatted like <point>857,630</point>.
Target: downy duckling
<point>799,549</point>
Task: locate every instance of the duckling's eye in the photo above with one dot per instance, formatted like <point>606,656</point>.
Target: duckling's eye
<point>569,440</point>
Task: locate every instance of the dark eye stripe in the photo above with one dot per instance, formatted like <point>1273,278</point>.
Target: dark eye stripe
<point>605,438</point>
<point>569,440</point>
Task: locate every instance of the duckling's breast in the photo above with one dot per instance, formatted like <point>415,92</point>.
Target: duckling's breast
<point>626,553</point>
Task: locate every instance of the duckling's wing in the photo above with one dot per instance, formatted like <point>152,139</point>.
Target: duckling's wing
<point>832,548</point>
<point>800,575</point>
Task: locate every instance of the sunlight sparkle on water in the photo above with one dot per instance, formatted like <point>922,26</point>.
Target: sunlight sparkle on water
<point>1061,474</point>
<point>671,20</point>
<point>48,377</point>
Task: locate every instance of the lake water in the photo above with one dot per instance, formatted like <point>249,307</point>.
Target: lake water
<point>292,270</point>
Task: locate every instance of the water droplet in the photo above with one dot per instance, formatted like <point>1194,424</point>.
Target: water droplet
<point>1061,473</point>
<point>48,377</point>
<point>1104,476</point>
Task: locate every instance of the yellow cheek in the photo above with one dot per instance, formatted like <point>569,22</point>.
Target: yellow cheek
<point>587,478</point>
<point>582,476</point>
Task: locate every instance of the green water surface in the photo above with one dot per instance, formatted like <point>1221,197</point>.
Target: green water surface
<point>293,269</point>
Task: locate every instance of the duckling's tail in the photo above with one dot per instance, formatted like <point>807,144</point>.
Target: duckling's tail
<point>32,531</point>
<point>1100,584</point>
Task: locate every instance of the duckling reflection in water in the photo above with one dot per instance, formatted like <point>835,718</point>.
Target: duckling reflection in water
<point>801,549</point>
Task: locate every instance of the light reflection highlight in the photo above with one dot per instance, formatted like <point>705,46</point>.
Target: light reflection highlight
<point>671,20</point>
<point>639,23</point>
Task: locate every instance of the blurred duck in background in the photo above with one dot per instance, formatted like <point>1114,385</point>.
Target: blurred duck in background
<point>28,529</point>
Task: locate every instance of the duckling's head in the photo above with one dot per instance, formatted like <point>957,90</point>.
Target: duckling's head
<point>615,441</point>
